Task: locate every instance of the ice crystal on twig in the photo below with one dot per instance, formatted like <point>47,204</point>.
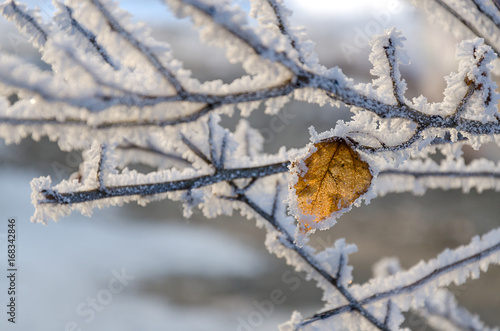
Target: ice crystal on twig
<point>121,96</point>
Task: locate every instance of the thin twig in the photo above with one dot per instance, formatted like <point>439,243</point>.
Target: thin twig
<point>195,149</point>
<point>276,199</point>
<point>91,37</point>
<point>29,19</point>
<point>390,52</point>
<point>51,197</point>
<point>407,288</point>
<point>100,180</point>
<point>284,28</point>
<point>480,7</point>
<point>143,49</point>
<point>223,146</point>
<point>466,23</point>
<point>288,241</point>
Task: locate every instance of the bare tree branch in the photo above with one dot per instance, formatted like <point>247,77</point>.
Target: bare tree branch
<point>287,240</point>
<point>143,49</point>
<point>466,23</point>
<point>408,288</point>
<point>221,175</point>
<point>91,37</point>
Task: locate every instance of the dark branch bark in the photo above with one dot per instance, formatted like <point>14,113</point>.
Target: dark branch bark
<point>30,20</point>
<point>390,53</point>
<point>143,49</point>
<point>466,23</point>
<point>51,197</point>
<point>91,37</point>
<point>288,241</point>
<point>480,7</point>
<point>408,288</point>
<point>421,174</point>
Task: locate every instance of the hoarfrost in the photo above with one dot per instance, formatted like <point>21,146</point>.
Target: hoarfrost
<point>122,97</point>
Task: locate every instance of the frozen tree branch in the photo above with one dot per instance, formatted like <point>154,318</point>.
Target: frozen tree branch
<point>488,11</point>
<point>89,35</point>
<point>476,17</point>
<point>442,312</point>
<point>439,273</point>
<point>124,98</point>
<point>156,188</point>
<point>26,21</point>
<point>287,240</point>
<point>150,56</point>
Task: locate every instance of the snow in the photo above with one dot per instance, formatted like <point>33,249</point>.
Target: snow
<point>422,280</point>
<point>478,24</point>
<point>387,55</point>
<point>335,260</point>
<point>449,174</point>
<point>474,63</point>
<point>19,13</point>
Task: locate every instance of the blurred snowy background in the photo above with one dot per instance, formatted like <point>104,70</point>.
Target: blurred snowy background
<point>201,274</point>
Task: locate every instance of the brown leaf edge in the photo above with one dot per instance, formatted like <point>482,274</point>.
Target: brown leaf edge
<point>307,223</point>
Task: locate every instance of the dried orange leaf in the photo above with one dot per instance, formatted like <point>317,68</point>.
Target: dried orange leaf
<point>335,177</point>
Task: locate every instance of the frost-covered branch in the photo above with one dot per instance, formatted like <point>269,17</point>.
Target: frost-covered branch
<point>54,197</point>
<point>420,281</point>
<point>442,311</point>
<point>125,98</point>
<point>415,177</point>
<point>492,13</point>
<point>89,35</point>
<point>474,17</point>
<point>301,80</point>
<point>29,21</point>
<point>287,241</point>
<point>143,49</point>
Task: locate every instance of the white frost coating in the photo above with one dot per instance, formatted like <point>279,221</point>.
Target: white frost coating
<point>250,141</point>
<point>291,324</point>
<point>387,54</point>
<point>482,20</point>
<point>474,68</point>
<point>122,97</point>
<point>219,150</point>
<point>120,45</point>
<point>274,105</point>
<point>417,176</point>
<point>36,30</point>
<point>235,26</point>
<point>386,266</point>
<point>332,257</point>
<point>274,16</point>
<point>437,14</point>
<point>451,266</point>
<point>440,309</point>
<point>312,96</point>
<point>64,17</point>
<point>247,108</point>
<point>442,312</point>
